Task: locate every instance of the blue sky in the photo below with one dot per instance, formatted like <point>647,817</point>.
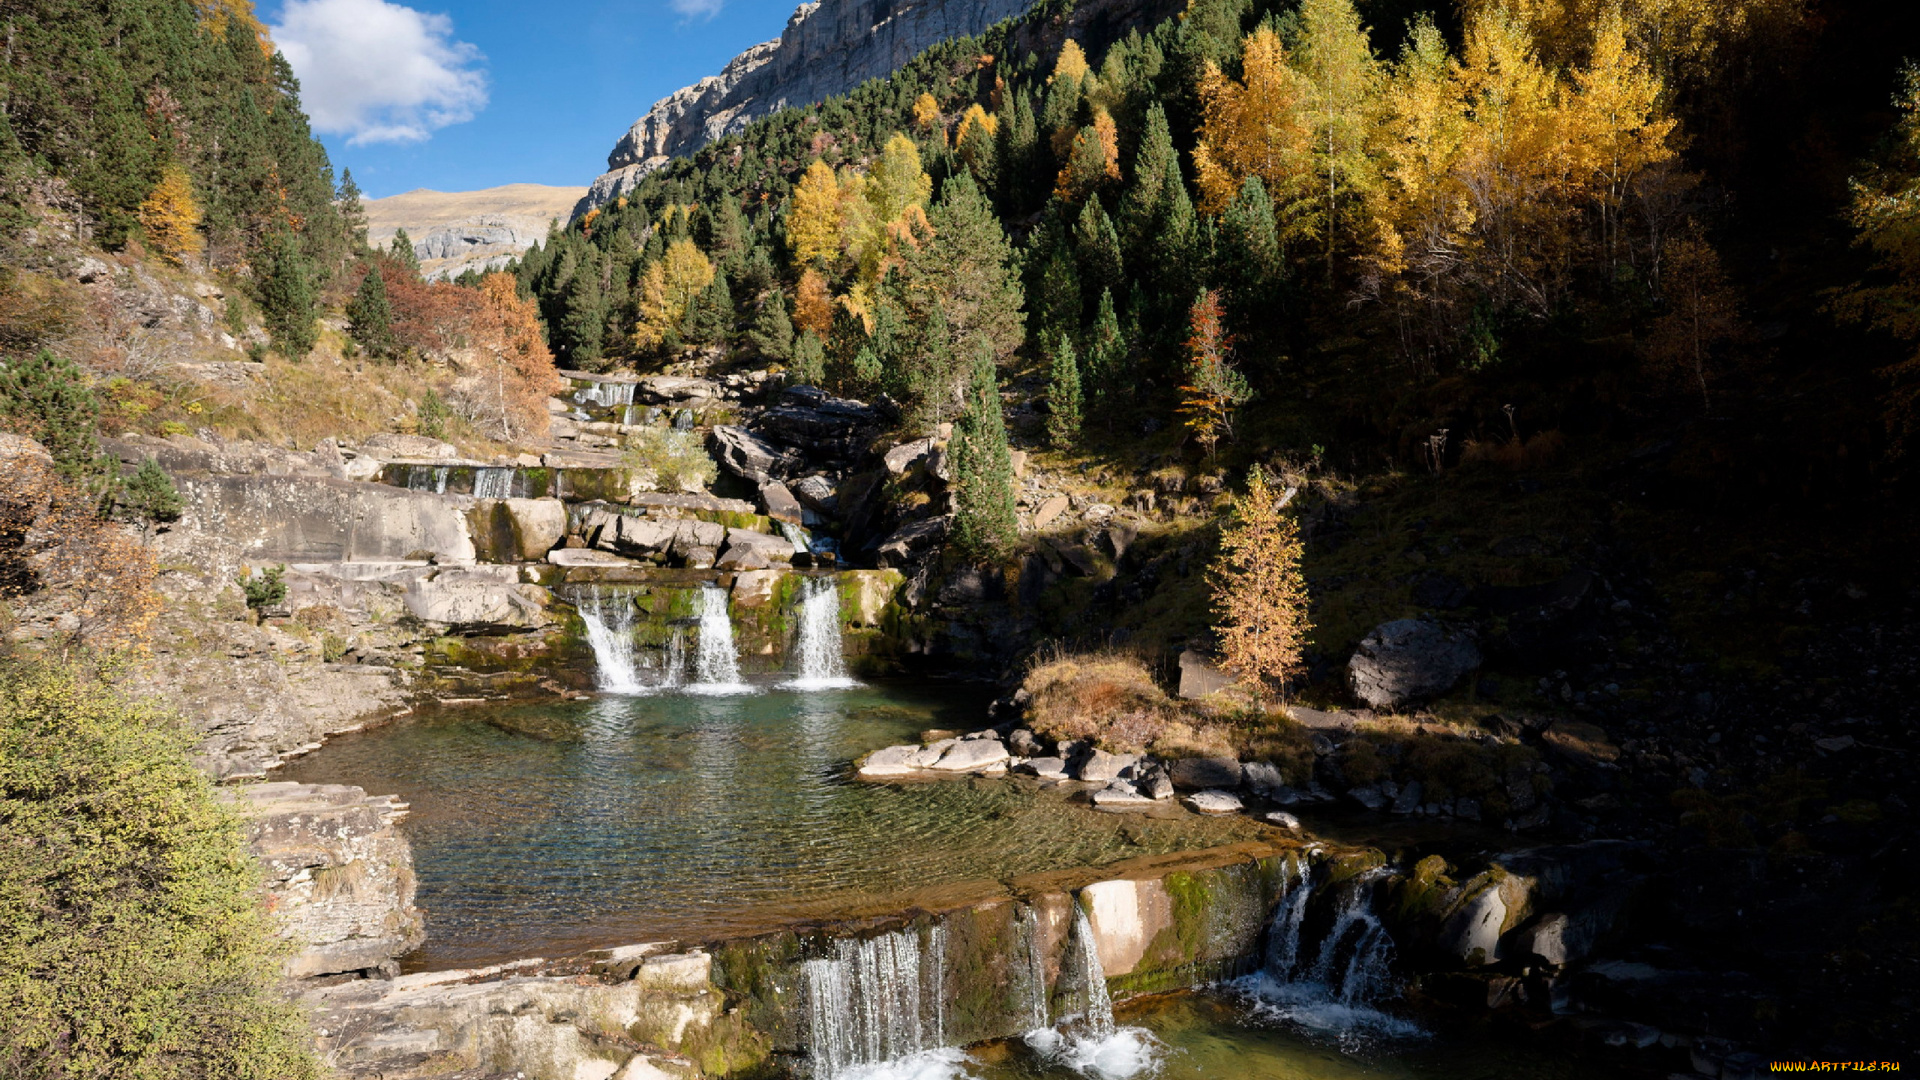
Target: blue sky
<point>487,92</point>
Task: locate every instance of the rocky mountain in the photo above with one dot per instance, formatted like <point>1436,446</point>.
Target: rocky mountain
<point>828,47</point>
<point>454,231</point>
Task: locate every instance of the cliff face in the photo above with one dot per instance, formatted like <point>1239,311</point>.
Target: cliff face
<point>828,48</point>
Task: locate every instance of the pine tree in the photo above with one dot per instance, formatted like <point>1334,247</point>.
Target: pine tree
<point>710,317</point>
<point>985,519</point>
<point>1153,162</point>
<point>353,213</point>
<point>150,494</point>
<point>171,217</point>
<point>583,327</point>
<point>47,398</point>
<point>1098,246</point>
<point>772,332</point>
<point>1107,378</point>
<point>1063,395</point>
<point>1059,298</point>
<point>1250,257</point>
<point>968,271</point>
<point>287,299</point>
<point>401,252</point>
<point>370,315</point>
<point>809,367</point>
<point>1016,153</point>
<point>1259,592</point>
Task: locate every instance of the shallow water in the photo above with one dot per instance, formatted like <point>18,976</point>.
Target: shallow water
<point>547,829</point>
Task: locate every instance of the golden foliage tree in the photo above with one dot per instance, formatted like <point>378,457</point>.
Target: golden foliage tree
<point>1258,126</point>
<point>172,218</point>
<point>1093,159</point>
<point>523,375</point>
<point>813,220</point>
<point>1259,592</point>
<point>1071,66</point>
<point>669,288</point>
<point>1703,313</point>
<point>813,303</point>
<point>975,116</point>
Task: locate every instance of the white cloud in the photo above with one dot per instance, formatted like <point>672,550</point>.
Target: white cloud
<point>379,72</point>
<point>696,9</point>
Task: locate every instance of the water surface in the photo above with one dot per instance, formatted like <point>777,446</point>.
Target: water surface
<point>546,829</point>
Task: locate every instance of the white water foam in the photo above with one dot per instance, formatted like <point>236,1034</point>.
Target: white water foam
<point>1122,1054</point>
<point>716,667</point>
<point>609,623</point>
<point>817,650</point>
<point>946,1063</point>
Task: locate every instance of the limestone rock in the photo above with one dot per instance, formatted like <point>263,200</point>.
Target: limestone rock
<point>902,457</point>
<point>1262,776</point>
<point>407,447</point>
<point>755,588</point>
<point>911,540</point>
<point>973,755</point>
<point>1101,766</point>
<point>1283,819</point>
<point>1214,802</point>
<point>816,493</point>
<point>751,457</point>
<point>477,598</point>
<point>825,427</point>
<point>1121,794</point>
<point>891,761</point>
<point>1046,768</point>
<point>1200,677</point>
<point>749,550</point>
<point>1409,660</point>
<point>1049,510</point>
<point>1194,774</point>
<point>571,557</point>
<point>339,872</point>
<point>677,391</point>
<point>778,503</point>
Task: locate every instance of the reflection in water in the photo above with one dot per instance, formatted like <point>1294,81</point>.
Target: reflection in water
<point>543,829</point>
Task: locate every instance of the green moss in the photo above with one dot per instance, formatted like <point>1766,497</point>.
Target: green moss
<point>1350,864</point>
<point>731,1048</point>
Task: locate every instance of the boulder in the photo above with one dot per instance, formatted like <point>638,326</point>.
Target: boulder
<point>339,874</point>
<point>1156,784</point>
<point>749,550</point>
<point>676,390</point>
<point>1318,720</point>
<point>973,755</point>
<point>1195,774</point>
<point>778,503</point>
<point>902,457</point>
<point>755,588</point>
<point>1047,768</point>
<point>571,557</point>
<point>391,445</point>
<point>911,540</point>
<point>1120,794</point>
<point>751,457</point>
<point>816,493</point>
<point>1100,766</point>
<point>1214,802</point>
<point>1262,776</point>
<point>1021,743</point>
<point>1049,510</point>
<point>538,525</point>
<point>1199,677</point>
<point>1409,660</point>
<point>477,598</point>
<point>1283,819</point>
<point>892,761</point>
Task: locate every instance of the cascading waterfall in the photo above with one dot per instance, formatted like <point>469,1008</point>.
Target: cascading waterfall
<point>1036,988</point>
<point>428,478</point>
<point>1095,1046</point>
<point>875,1000</point>
<point>605,394</point>
<point>609,623</point>
<point>817,650</point>
<point>1099,1015</point>
<point>716,666</point>
<point>492,483</point>
<point>1332,986</point>
<point>796,536</point>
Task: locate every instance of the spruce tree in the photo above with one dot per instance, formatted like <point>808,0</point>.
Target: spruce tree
<point>709,318</point>
<point>979,150</point>
<point>985,519</point>
<point>1018,160</point>
<point>584,321</point>
<point>968,271</point>
<point>287,296</point>
<point>1063,395</point>
<point>772,332</point>
<point>401,252</point>
<point>1140,208</point>
<point>370,316</point>
<point>353,213</point>
<point>1059,295</point>
<point>1106,378</point>
<point>1250,258</point>
<point>47,397</point>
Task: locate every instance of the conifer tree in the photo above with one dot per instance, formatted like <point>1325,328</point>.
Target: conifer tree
<point>1213,387</point>
<point>809,367</point>
<point>1016,152</point>
<point>710,317</point>
<point>353,213</point>
<point>968,271</point>
<point>1063,395</point>
<point>287,296</point>
<point>150,494</point>
<point>582,330</point>
<point>1098,246</point>
<point>1250,257</point>
<point>1107,380</point>
<point>401,252</point>
<point>772,332</point>
<point>171,217</point>
<point>46,397</point>
<point>1152,163</point>
<point>370,315</point>
<point>985,519</point>
<point>1059,295</point>
<point>1259,592</point>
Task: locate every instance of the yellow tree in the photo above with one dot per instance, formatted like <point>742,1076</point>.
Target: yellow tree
<point>1093,159</point>
<point>1259,126</point>
<point>1337,66</point>
<point>813,303</point>
<point>1259,592</point>
<point>975,116</point>
<point>1071,66</point>
<point>813,220</point>
<point>1424,215</point>
<point>671,283</point>
<point>1614,123</point>
<point>1214,388</point>
<point>171,218</point>
<point>926,111</point>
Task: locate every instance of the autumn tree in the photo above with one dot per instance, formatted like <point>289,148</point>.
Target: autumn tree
<point>813,217</point>
<point>1259,593</point>
<point>668,291</point>
<point>171,217</point>
<point>1702,313</point>
<point>1093,160</point>
<point>1213,387</point>
<point>813,303</point>
<point>1885,207</point>
<point>510,399</point>
<point>54,544</point>
<point>926,111</point>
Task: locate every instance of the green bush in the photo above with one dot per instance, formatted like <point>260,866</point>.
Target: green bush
<point>669,460</point>
<point>150,494</point>
<point>133,940</point>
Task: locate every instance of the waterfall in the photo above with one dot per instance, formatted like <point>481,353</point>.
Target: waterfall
<point>869,1002</point>
<point>428,478</point>
<point>1096,1046</point>
<point>606,394</point>
<point>1099,1015</point>
<point>609,622</point>
<point>440,474</point>
<point>1331,986</point>
<point>1036,988</point>
<point>796,536</point>
<point>492,483</point>
<point>817,652</point>
<point>716,668</point>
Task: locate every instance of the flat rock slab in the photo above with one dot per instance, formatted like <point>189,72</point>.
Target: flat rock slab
<point>1318,720</point>
<point>973,755</point>
<point>1049,510</point>
<point>1215,802</point>
<point>1047,768</point>
<point>1100,766</point>
<point>1199,676</point>
<point>1121,795</point>
<point>1196,774</point>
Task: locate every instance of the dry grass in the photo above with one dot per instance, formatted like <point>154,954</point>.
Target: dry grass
<point>1109,697</point>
